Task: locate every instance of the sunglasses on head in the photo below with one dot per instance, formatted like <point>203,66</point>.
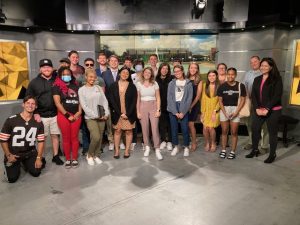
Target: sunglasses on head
<point>89,64</point>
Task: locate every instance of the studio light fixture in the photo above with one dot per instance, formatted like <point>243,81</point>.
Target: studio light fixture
<point>3,18</point>
<point>198,8</point>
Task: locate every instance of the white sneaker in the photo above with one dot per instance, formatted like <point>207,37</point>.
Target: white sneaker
<point>132,146</point>
<point>163,145</point>
<point>158,154</point>
<point>186,152</point>
<point>98,160</point>
<point>147,151</point>
<point>169,146</point>
<point>174,151</point>
<point>111,146</point>
<point>90,161</point>
<point>122,146</point>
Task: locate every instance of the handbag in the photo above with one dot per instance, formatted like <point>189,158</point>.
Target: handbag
<point>101,111</point>
<point>245,110</point>
<point>100,108</point>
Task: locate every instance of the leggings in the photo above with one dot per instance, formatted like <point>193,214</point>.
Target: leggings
<point>272,123</point>
<point>69,133</point>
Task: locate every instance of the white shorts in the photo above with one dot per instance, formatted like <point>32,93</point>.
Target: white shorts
<point>229,110</point>
<point>50,123</point>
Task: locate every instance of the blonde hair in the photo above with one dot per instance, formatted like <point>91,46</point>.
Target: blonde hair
<point>197,74</point>
<point>89,71</point>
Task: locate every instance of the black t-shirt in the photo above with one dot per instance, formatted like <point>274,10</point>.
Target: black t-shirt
<point>21,135</point>
<point>230,94</point>
<point>70,100</point>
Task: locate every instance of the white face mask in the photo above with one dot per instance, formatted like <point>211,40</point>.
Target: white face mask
<point>138,68</point>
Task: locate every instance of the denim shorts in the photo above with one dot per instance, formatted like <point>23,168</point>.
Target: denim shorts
<point>229,110</point>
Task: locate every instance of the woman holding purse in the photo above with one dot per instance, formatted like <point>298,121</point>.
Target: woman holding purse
<point>91,99</point>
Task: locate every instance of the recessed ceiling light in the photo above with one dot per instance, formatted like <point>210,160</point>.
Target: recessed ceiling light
<point>51,29</point>
<point>28,28</point>
<point>291,26</point>
<point>72,31</point>
<point>263,26</point>
<point>242,29</point>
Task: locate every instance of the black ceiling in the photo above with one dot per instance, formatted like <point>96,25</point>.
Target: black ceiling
<point>52,14</point>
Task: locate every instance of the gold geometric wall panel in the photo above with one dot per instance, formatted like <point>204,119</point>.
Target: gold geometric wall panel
<point>14,72</point>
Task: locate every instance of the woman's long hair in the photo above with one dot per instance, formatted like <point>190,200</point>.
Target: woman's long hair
<point>197,75</point>
<point>274,74</point>
<point>60,83</point>
<point>207,92</point>
<point>152,77</point>
<point>161,66</point>
<point>129,79</point>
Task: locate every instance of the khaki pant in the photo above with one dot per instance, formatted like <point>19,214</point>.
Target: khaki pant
<point>96,128</point>
<point>148,110</point>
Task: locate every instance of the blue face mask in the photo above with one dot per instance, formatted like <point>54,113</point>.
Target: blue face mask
<point>66,78</point>
<point>138,68</point>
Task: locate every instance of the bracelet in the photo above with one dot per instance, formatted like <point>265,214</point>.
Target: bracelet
<point>38,157</point>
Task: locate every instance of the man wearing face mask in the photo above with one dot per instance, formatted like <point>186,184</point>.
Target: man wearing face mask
<point>40,87</point>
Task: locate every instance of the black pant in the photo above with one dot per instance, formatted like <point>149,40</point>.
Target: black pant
<point>13,170</point>
<point>272,120</point>
<point>165,127</point>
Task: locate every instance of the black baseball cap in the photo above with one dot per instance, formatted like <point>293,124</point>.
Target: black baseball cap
<point>65,60</point>
<point>45,62</point>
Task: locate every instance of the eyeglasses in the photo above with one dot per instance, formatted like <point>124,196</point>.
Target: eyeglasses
<point>89,64</point>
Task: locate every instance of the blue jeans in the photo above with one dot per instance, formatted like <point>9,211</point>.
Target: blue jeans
<point>184,128</point>
<point>85,135</point>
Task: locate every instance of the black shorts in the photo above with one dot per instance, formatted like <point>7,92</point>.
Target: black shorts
<point>28,159</point>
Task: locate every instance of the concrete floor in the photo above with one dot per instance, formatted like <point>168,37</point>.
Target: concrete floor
<point>198,190</point>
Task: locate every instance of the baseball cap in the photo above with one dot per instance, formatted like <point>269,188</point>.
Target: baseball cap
<point>66,60</point>
<point>45,62</point>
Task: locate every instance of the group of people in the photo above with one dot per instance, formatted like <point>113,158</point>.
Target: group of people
<point>117,102</point>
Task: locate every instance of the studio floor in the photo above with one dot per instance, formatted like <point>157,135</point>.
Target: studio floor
<point>201,189</point>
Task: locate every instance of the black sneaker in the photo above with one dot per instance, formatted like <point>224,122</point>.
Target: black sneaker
<point>84,151</point>
<point>57,160</point>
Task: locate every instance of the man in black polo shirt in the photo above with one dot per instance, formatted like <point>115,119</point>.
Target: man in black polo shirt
<point>40,87</point>
<point>18,139</point>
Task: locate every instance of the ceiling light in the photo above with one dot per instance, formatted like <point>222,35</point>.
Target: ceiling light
<point>199,7</point>
<point>3,18</point>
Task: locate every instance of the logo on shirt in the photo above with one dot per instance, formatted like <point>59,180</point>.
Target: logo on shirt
<point>230,92</point>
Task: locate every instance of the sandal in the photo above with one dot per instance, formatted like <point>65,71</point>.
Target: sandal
<point>231,155</point>
<point>222,154</point>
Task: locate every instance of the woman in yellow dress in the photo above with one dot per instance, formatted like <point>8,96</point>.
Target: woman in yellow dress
<point>210,110</point>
